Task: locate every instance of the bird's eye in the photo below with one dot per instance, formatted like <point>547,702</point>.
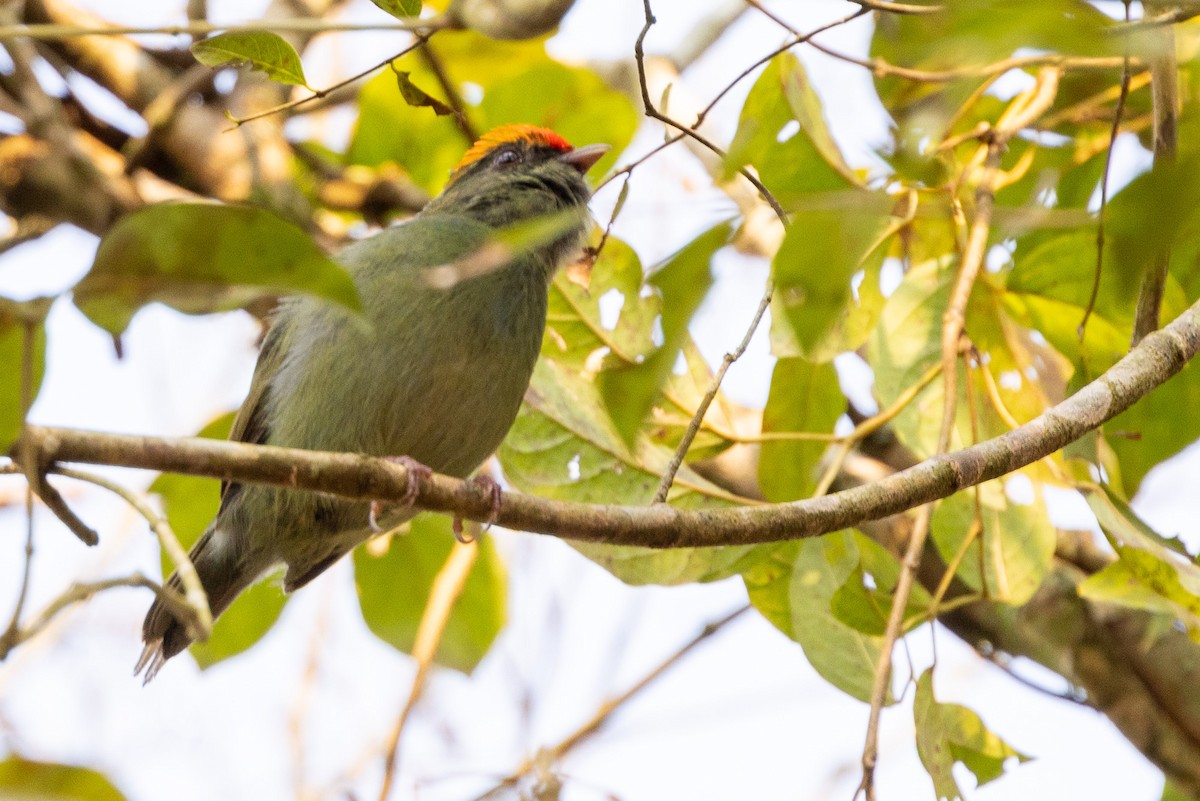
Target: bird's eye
<point>507,157</point>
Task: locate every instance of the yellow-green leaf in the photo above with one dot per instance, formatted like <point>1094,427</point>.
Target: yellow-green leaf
<point>22,330</point>
<point>949,733</point>
<point>46,781</point>
<point>793,587</point>
<point>263,50</point>
<point>629,390</point>
<point>394,577</point>
<point>804,397</point>
<point>400,8</point>
<point>1015,545</point>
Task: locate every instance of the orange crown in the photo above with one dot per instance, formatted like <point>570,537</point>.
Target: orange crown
<point>503,134</point>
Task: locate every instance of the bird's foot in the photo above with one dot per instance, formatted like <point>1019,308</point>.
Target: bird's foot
<point>490,486</point>
<point>417,472</point>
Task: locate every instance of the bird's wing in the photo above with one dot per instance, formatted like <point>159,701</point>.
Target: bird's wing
<point>250,423</point>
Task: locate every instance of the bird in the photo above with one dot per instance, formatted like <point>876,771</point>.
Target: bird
<point>435,376</point>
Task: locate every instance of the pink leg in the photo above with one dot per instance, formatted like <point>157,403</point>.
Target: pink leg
<point>417,472</point>
<point>493,489</point>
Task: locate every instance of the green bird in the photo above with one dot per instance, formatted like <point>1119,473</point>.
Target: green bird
<point>436,375</point>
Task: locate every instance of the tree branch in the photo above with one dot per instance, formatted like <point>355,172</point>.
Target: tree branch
<point>1157,358</point>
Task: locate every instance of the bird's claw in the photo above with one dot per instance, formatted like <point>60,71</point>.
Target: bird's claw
<point>416,473</point>
<point>493,489</point>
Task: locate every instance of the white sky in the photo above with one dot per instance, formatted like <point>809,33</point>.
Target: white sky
<point>743,717</point>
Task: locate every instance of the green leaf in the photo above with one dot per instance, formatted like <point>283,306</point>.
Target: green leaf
<point>949,733</point>
<point>45,781</point>
<point>793,587</point>
<point>21,323</point>
<point>780,103</point>
<point>804,397</point>
<point>191,503</point>
<point>400,8</point>
<point>575,331</point>
<point>1156,428</point>
<point>1140,580</point>
<point>1017,541</point>
<point>578,338</point>
<point>865,607</point>
<point>203,257</point>
<point>629,390</point>
<point>395,575</point>
<point>262,50</point>
<point>907,343</point>
<point>1153,573</point>
<point>821,252</point>
<point>416,96</point>
<point>563,445</point>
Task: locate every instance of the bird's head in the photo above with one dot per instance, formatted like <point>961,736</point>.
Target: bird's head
<point>516,173</point>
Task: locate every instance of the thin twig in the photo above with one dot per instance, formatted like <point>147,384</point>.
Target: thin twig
<point>652,112</point>
<point>199,618</point>
<point>1126,77</point>
<point>668,478</point>
<point>800,39</point>
<point>1074,695</point>
<point>697,420</point>
<point>317,94</point>
<point>633,165</point>
<point>898,8</point>
<point>453,98</point>
<point>447,587</point>
<point>78,593</point>
<point>879,67</point>
<point>54,31</point>
<point>1164,91</point>
<point>1021,112</point>
<point>871,425</point>
<point>602,715</point>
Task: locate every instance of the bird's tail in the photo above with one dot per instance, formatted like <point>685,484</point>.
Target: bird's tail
<point>221,574</point>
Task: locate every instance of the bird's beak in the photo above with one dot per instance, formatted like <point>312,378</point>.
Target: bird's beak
<point>582,158</point>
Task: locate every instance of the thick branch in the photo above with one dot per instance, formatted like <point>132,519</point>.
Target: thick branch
<point>1157,358</point>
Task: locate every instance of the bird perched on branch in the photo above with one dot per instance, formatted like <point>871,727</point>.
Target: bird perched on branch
<point>435,375</point>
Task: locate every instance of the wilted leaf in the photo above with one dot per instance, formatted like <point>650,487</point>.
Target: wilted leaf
<point>46,781</point>
<point>203,257</point>
<point>394,578</point>
<point>949,733</point>
<point>191,503</point>
<point>263,50</point>
<point>417,97</point>
<point>629,390</point>
<point>19,322</point>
